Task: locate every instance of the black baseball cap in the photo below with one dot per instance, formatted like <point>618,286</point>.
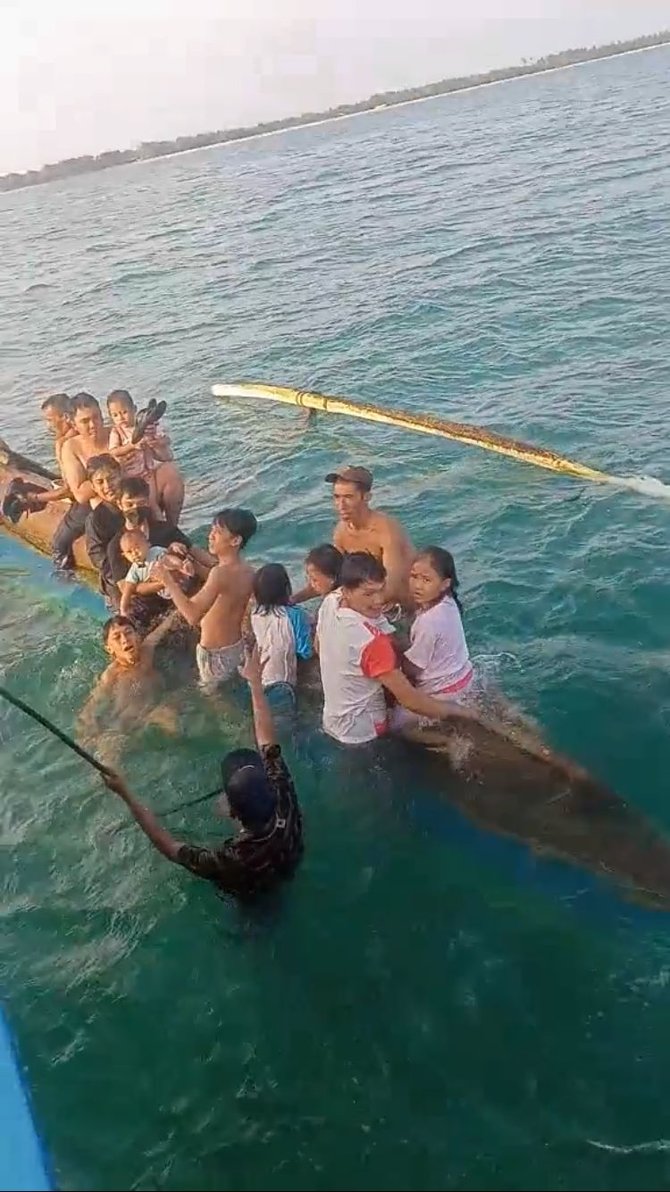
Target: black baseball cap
<point>353,475</point>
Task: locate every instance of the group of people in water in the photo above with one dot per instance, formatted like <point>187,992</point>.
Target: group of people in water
<point>388,633</point>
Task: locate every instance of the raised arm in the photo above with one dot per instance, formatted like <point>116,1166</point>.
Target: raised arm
<point>263,722</point>
<point>74,474</point>
<point>192,608</point>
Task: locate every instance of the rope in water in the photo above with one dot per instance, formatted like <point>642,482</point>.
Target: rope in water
<point>88,757</point>
<point>52,728</point>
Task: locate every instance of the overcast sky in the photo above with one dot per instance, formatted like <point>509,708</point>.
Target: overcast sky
<point>80,76</point>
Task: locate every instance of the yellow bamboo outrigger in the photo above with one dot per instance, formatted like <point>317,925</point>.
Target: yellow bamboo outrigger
<point>474,436</point>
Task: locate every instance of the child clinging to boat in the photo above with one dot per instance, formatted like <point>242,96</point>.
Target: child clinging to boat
<point>143,449</point>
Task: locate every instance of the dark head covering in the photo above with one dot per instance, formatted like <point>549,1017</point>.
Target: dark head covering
<point>251,798</point>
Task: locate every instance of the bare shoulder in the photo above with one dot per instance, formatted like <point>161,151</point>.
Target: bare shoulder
<point>68,447</point>
<point>389,528</point>
<point>236,577</point>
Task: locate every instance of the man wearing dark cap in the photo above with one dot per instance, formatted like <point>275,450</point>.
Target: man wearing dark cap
<point>361,528</point>
<point>258,792</point>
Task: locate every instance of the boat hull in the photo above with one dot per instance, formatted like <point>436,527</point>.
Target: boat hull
<point>38,528</point>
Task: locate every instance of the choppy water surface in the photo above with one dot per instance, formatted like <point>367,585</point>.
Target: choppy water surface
<point>429,1007</point>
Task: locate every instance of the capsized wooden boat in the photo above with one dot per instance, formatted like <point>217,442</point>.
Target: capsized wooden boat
<point>35,528</point>
<point>516,787</point>
<point>506,782</point>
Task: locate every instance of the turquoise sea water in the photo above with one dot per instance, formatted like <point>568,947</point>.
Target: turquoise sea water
<point>429,1007</point>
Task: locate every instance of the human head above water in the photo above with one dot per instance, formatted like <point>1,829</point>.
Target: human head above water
<point>322,568</point>
<point>121,640</point>
<point>121,408</point>
<point>86,415</point>
<point>104,473</point>
<point>362,580</point>
<point>433,576</point>
<point>351,491</point>
<point>133,494</point>
<point>134,546</point>
<point>248,796</point>
<point>231,530</point>
<point>272,587</point>
<point>57,412</point>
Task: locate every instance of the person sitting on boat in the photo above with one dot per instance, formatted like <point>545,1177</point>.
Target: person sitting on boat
<point>142,557</point>
<point>358,659</point>
<point>134,514</point>
<point>151,457</point>
<point>258,792</point>
<point>437,661</point>
<point>361,528</point>
<point>91,438</point>
<point>282,630</point>
<point>102,523</point>
<point>56,411</point>
<point>220,606</point>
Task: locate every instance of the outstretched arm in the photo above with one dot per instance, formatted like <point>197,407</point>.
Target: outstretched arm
<point>192,608</point>
<point>417,701</point>
<point>161,839</point>
<point>168,622</point>
<point>263,722</point>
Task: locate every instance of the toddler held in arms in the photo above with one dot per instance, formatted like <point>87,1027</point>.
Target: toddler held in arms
<point>151,457</point>
<point>143,557</point>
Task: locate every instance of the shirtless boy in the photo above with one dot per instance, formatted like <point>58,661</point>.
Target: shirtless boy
<point>220,605</point>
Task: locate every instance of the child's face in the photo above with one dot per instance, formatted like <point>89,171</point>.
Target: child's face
<point>136,549</point>
<point>425,585</point>
<point>104,485</point>
<point>320,583</point>
<point>129,504</point>
<point>121,414</point>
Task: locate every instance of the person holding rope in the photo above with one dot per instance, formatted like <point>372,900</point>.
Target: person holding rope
<point>258,792</point>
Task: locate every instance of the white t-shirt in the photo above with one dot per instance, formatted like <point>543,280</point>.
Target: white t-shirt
<point>353,653</point>
<point>439,650</point>
<point>283,636</point>
<point>140,573</point>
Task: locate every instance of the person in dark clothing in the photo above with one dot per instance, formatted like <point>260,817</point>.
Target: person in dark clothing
<point>119,496</point>
<point>259,794</point>
<point>104,520</point>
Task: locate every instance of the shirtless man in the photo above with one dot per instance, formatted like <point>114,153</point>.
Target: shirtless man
<point>56,413</point>
<point>91,437</point>
<point>361,528</point>
<point>219,607</point>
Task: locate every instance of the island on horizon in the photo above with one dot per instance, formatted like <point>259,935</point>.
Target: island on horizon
<point>387,99</point>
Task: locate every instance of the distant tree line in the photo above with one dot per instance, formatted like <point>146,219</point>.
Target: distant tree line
<point>148,149</point>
